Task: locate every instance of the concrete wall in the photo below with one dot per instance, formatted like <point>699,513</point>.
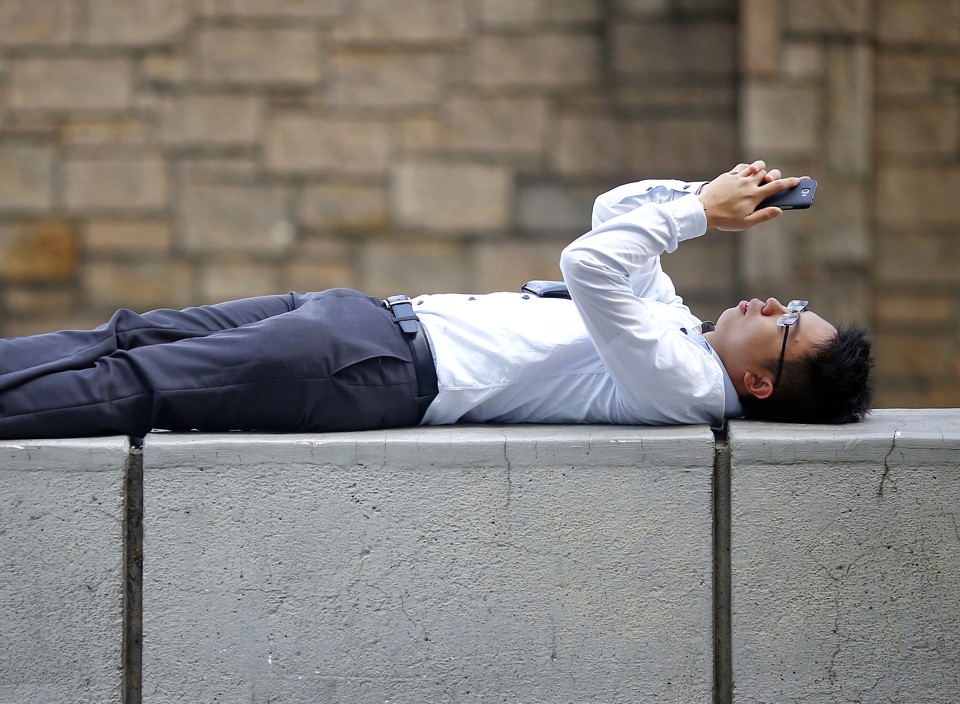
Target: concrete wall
<point>449,565</point>
<point>845,560</point>
<point>487,563</point>
<point>61,570</point>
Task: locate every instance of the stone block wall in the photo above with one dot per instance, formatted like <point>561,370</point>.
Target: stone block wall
<point>173,152</point>
<point>863,94</point>
<point>916,252</point>
<point>165,152</point>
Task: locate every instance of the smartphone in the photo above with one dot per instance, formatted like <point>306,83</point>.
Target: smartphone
<point>796,198</point>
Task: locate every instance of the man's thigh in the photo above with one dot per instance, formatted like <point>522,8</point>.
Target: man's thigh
<point>337,362</point>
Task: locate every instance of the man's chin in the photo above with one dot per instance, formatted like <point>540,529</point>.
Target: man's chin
<point>727,316</point>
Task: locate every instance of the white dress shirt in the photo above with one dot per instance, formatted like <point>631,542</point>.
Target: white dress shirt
<point>616,353</point>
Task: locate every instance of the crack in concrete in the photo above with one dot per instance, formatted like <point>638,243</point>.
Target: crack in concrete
<point>886,463</point>
<point>506,458</point>
<point>956,528</point>
<point>832,675</point>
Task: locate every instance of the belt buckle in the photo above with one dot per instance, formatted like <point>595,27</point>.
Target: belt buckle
<point>404,316</point>
<point>391,301</point>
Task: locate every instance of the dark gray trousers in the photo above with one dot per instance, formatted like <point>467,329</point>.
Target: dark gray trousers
<point>333,360</point>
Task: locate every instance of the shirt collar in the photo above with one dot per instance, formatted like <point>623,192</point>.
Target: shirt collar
<point>731,400</point>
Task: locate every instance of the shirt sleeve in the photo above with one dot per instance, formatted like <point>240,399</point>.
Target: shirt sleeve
<point>648,357</point>
<point>631,196</point>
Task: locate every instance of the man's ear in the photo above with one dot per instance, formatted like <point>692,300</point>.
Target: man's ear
<point>759,385</point>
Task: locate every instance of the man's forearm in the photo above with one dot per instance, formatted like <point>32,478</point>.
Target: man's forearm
<point>631,196</point>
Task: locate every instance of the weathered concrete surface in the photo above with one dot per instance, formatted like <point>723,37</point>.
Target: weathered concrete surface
<point>846,560</point>
<point>61,579</point>
<point>459,564</point>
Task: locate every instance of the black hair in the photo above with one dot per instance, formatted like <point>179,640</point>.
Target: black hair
<point>830,384</point>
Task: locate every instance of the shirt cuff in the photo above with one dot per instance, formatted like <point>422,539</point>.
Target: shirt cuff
<point>690,216</point>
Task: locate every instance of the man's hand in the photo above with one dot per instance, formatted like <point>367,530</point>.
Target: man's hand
<point>730,200</point>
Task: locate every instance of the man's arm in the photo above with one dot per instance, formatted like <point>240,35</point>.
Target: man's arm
<point>646,356</point>
<point>631,196</point>
<point>642,351</point>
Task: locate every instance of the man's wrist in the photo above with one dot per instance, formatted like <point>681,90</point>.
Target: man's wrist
<point>706,212</point>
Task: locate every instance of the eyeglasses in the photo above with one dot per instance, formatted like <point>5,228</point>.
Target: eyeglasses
<point>794,308</point>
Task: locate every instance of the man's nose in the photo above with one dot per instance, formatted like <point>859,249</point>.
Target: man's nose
<point>773,307</point>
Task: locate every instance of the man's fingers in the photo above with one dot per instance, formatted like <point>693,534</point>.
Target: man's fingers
<point>764,215</point>
<point>747,169</point>
<point>743,169</point>
<point>778,185</point>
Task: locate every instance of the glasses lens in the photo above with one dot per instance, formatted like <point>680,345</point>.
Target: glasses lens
<point>795,307</point>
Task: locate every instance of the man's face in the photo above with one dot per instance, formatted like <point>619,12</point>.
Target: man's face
<point>748,340</point>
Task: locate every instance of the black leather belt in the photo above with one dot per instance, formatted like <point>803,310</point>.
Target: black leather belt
<point>402,309</point>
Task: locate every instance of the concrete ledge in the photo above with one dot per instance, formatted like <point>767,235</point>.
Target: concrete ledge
<point>487,563</point>
<point>443,564</point>
<point>61,561</point>
<point>846,560</point>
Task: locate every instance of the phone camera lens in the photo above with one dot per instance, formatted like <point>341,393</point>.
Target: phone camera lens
<point>805,192</point>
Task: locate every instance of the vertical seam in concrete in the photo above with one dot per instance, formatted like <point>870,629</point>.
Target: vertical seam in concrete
<point>722,626</point>
<point>133,573</point>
